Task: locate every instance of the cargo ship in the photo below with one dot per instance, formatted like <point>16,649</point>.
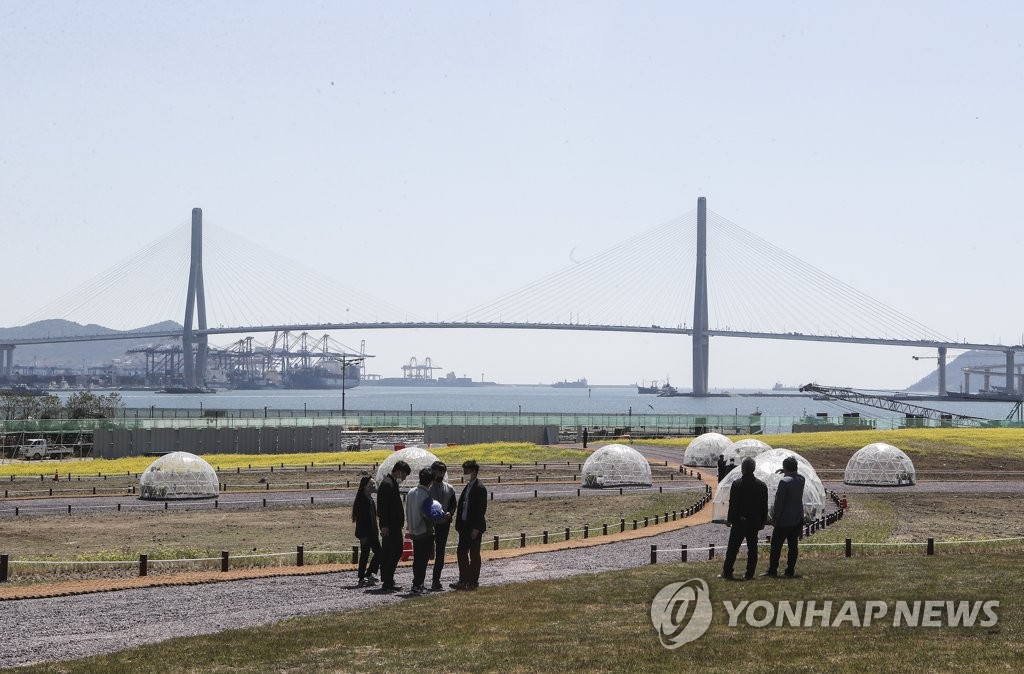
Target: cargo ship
<point>565,383</point>
<point>321,378</point>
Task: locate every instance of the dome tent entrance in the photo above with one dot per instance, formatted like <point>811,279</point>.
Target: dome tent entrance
<point>880,464</point>
<point>766,467</point>
<point>179,475</point>
<point>704,450</point>
<point>616,465</point>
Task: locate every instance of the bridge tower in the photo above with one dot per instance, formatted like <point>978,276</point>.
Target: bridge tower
<point>700,304</point>
<point>195,303</point>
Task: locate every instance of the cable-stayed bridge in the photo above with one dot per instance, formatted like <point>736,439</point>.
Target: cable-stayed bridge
<point>698,275</point>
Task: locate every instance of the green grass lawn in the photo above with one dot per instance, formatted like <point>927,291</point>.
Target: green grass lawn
<point>601,623</point>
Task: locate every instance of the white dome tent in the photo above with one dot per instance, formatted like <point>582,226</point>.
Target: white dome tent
<point>741,449</point>
<point>179,475</point>
<point>767,465</point>
<point>704,450</point>
<point>880,464</point>
<point>416,457</point>
<point>614,466</point>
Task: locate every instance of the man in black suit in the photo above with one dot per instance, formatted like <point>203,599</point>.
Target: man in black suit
<point>748,513</point>
<point>788,518</point>
<point>391,514</point>
<point>471,523</point>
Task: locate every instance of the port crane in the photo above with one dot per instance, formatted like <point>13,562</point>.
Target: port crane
<point>893,404</point>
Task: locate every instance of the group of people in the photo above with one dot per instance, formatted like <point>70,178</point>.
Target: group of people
<point>725,468</point>
<point>748,515</point>
<point>428,512</point>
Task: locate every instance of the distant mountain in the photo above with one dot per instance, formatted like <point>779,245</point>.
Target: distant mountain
<point>72,354</point>
<point>955,375</point>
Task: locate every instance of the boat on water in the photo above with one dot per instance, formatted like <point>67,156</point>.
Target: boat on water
<point>654,389</point>
<point>318,378</point>
<point>780,387</point>
<point>565,383</point>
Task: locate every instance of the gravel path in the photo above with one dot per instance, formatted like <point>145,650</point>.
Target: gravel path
<point>93,624</point>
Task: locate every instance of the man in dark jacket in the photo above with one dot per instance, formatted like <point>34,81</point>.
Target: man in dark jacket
<point>391,514</point>
<point>471,523</point>
<point>748,513</point>
<point>788,518</point>
<point>443,493</point>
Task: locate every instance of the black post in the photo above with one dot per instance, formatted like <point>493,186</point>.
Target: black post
<point>143,565</point>
<point>849,548</point>
<point>299,555</point>
<point>224,560</point>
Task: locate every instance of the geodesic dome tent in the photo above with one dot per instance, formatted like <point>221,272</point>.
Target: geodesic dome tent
<point>179,475</point>
<point>882,464</point>
<point>417,458</point>
<point>741,449</point>
<point>766,465</point>
<point>614,466</point>
<point>704,449</point>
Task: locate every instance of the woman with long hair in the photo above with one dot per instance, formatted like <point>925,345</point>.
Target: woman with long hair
<point>364,514</point>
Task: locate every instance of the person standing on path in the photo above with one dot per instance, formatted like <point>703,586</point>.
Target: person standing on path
<point>391,514</point>
<point>443,493</point>
<point>364,514</point>
<point>748,513</point>
<point>417,513</point>
<point>471,523</point>
<point>788,518</point>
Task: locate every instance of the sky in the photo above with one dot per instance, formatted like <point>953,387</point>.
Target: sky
<point>438,155</point>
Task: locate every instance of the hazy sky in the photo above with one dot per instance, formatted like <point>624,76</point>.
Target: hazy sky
<point>438,155</point>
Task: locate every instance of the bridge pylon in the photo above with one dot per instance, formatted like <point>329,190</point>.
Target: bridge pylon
<point>700,304</point>
<point>194,361</point>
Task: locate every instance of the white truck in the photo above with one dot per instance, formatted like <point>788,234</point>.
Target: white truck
<point>36,449</point>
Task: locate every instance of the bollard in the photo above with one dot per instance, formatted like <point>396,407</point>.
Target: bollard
<point>69,509</point>
<point>355,554</point>
<point>586,530</point>
<point>499,478</point>
<point>165,505</point>
<point>661,490</point>
<point>300,556</point>
<point>545,537</point>
<point>567,533</point>
<point>620,491</point>
<point>492,495</point>
<point>683,552</point>
<point>118,507</point>
<point>224,561</point>
<point>216,504</point>
<point>143,565</point>
<point>656,518</point>
<point>654,554</point>
<point>673,515</point>
<point>634,525</point>
<point>711,551</point>
<point>577,491</point>
<point>495,542</point>
<point>604,529</point>
<point>622,525</point>
<point>849,547</point>
<point>307,485</point>
<point>534,493</point>
<point>665,518</point>
<point>311,500</point>
<point>94,491</point>
<point>522,539</point>
<point>268,486</point>
<point>931,546</point>
<point>264,503</point>
<point>4,560</point>
<point>645,521</point>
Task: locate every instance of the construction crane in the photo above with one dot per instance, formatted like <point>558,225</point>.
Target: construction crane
<point>893,404</point>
